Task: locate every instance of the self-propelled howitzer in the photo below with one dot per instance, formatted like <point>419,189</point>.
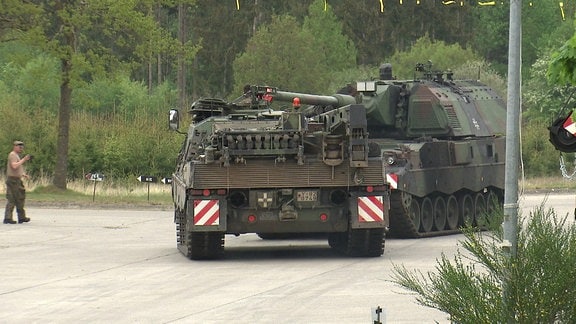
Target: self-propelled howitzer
<point>443,146</point>
<point>244,168</point>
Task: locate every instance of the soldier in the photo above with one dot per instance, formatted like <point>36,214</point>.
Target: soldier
<point>15,191</point>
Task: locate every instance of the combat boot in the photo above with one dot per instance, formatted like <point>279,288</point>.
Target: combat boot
<point>8,214</point>
<point>23,220</point>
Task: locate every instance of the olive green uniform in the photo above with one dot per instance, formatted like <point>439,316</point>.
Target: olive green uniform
<point>15,191</point>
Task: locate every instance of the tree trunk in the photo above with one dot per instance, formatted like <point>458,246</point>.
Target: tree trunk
<point>61,170</point>
<point>149,74</point>
<point>181,62</point>
<point>159,69</point>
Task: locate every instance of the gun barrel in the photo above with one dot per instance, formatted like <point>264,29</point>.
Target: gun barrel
<point>310,99</point>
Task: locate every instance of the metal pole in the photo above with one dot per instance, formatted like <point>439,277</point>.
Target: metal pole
<point>94,192</point>
<point>512,128</point>
<point>510,223</point>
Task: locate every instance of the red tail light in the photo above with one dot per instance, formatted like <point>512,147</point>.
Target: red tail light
<point>196,192</point>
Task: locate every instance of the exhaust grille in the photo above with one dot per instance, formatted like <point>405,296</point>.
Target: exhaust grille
<point>266,174</point>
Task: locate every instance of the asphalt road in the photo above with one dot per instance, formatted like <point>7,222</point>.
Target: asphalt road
<point>122,266</point>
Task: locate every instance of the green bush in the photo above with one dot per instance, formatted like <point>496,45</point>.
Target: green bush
<point>540,279</point>
<point>442,56</point>
<point>112,144</point>
<point>539,155</point>
<point>38,83</point>
<point>35,82</point>
<point>120,96</point>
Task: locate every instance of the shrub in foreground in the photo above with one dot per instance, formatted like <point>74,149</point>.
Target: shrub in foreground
<point>540,280</point>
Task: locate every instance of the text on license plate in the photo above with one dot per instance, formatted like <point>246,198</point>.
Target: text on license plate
<point>306,195</point>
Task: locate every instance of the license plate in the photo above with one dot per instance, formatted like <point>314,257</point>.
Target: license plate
<point>306,195</point>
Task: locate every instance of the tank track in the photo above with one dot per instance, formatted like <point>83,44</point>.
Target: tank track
<point>439,214</point>
<point>198,245</point>
<point>359,242</point>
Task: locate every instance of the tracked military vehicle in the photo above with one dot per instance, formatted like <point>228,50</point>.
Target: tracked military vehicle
<point>442,144</point>
<point>245,168</point>
<point>421,157</point>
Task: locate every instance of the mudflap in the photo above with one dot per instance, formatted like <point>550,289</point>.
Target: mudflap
<point>366,234</point>
<point>201,228</point>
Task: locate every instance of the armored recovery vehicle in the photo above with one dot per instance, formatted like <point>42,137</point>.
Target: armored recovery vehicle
<point>244,168</point>
<point>442,144</point>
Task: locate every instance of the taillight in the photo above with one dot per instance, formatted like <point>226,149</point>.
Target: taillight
<point>375,188</point>
<point>196,192</point>
<point>323,217</point>
<point>251,219</point>
<point>207,192</point>
<point>379,188</point>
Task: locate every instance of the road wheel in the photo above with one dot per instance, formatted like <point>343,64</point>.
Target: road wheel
<point>480,210</point>
<point>467,210</point>
<point>427,215</point>
<point>414,213</point>
<point>452,212</point>
<point>440,214</point>
<point>493,204</point>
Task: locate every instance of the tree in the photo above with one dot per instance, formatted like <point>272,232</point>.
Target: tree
<point>555,98</point>
<point>329,39</point>
<point>378,34</point>
<point>492,42</point>
<point>279,55</point>
<point>290,56</point>
<point>545,93</point>
<point>540,20</point>
<point>562,65</point>
<point>226,37</point>
<point>88,38</point>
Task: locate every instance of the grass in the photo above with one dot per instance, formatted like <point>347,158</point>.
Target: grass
<point>547,183</point>
<point>86,192</point>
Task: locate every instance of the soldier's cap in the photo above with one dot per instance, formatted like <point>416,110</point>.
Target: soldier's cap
<point>18,143</point>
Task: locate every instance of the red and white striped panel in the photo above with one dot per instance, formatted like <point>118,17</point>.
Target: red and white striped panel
<point>370,209</point>
<point>570,125</point>
<point>392,179</point>
<point>206,212</point>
